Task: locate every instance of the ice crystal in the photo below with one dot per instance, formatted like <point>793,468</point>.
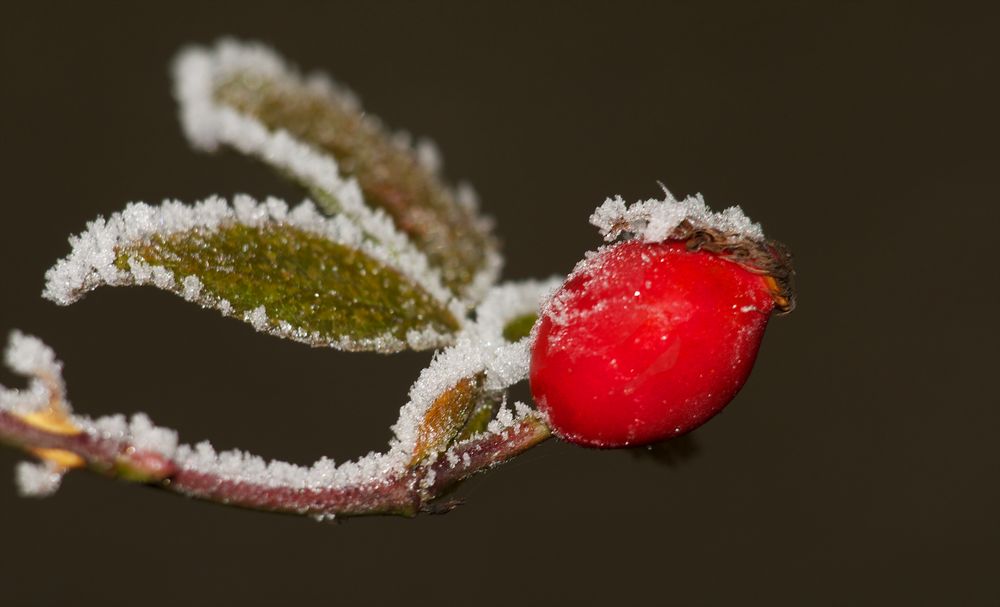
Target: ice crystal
<point>510,301</point>
<point>655,220</point>
<point>30,357</point>
<point>37,479</point>
<point>143,434</point>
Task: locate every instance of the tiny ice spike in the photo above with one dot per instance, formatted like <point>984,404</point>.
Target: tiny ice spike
<point>648,340</point>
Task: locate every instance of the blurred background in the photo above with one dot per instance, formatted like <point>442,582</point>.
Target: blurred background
<point>858,466</point>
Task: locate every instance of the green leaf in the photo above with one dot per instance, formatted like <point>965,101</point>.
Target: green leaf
<point>255,84</point>
<point>520,327</point>
<point>290,273</point>
<point>328,293</point>
<point>481,416</point>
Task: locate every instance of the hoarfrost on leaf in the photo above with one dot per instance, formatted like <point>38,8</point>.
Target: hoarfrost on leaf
<point>191,287</point>
<point>290,272</point>
<point>245,96</point>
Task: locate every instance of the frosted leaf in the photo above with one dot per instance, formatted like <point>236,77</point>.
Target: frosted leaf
<point>446,416</point>
<point>482,414</point>
<point>35,479</point>
<point>656,220</point>
<point>480,363</point>
<point>244,96</point>
<point>290,272</point>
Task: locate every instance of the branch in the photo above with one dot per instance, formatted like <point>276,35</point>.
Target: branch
<point>436,443</point>
<point>406,493</point>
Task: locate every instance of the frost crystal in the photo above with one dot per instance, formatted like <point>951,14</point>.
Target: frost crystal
<point>30,357</point>
<point>192,288</point>
<point>148,437</point>
<point>37,479</point>
<point>655,220</point>
<point>429,156</point>
<point>238,466</point>
<point>508,301</point>
<point>27,355</point>
<point>258,318</point>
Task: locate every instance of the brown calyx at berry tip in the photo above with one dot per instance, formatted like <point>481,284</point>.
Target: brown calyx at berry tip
<point>769,258</point>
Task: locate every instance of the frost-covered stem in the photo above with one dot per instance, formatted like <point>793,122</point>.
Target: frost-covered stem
<point>406,493</point>
<point>395,495</point>
<point>485,451</point>
<point>100,454</point>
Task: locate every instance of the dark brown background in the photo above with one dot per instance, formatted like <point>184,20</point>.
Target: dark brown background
<point>858,466</point>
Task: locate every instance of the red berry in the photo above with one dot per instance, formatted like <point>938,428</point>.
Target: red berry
<point>646,341</point>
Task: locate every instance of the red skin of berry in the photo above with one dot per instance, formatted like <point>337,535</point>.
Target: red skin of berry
<point>646,341</point>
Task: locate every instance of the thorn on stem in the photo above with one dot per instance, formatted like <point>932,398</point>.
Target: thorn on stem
<point>442,507</point>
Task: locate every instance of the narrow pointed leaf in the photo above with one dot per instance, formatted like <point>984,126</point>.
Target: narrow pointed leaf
<point>446,416</point>
<point>292,273</point>
<point>245,97</point>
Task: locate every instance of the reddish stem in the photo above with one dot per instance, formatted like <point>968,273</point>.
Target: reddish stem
<point>406,493</point>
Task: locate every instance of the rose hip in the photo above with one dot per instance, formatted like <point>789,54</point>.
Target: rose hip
<point>646,341</point>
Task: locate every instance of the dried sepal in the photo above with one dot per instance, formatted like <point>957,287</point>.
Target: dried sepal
<point>728,233</point>
<point>43,405</point>
<point>291,273</point>
<point>244,96</point>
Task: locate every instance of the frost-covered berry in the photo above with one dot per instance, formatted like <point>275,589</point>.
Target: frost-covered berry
<point>648,340</point>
